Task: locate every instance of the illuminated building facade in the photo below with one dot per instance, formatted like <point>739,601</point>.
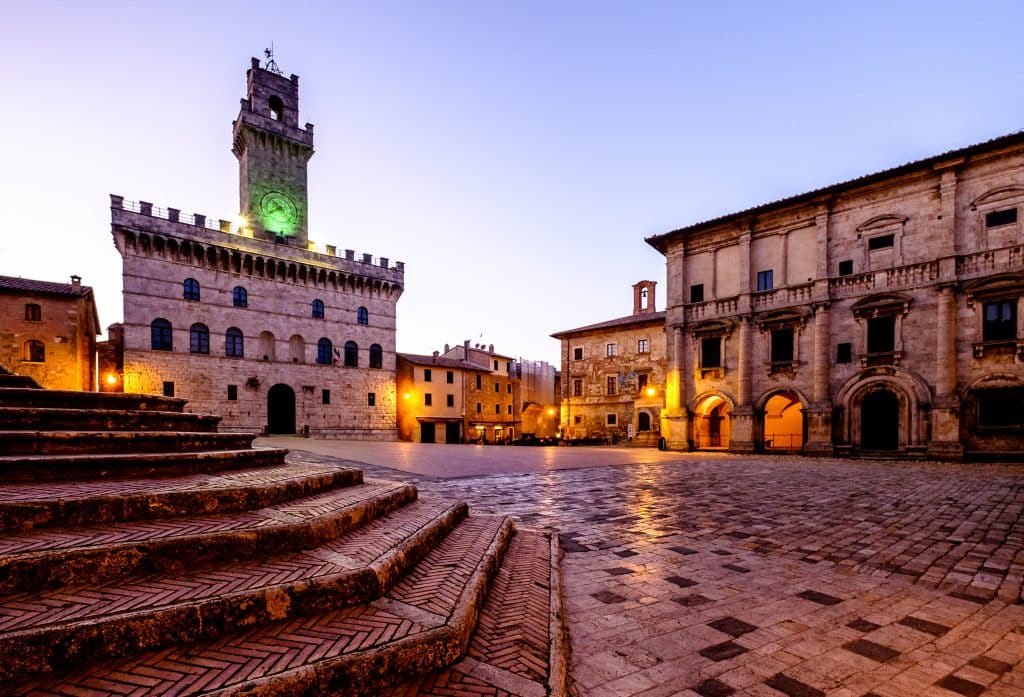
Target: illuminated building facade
<point>249,319</point>
<point>613,375</point>
<point>883,314</point>
<point>48,332</point>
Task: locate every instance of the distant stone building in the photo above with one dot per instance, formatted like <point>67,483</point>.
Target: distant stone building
<point>493,400</point>
<point>48,332</point>
<point>249,319</point>
<point>432,394</point>
<point>882,314</point>
<point>541,401</point>
<point>613,374</point>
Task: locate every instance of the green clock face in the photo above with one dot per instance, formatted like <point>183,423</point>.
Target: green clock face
<point>278,213</point>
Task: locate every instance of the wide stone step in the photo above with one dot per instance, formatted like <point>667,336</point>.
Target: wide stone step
<point>27,505</point>
<point>113,442</point>
<point>52,557</point>
<point>71,399</point>
<point>51,419</point>
<point>423,623</point>
<point>53,631</point>
<point>22,381</point>
<point>19,468</point>
<point>519,647</point>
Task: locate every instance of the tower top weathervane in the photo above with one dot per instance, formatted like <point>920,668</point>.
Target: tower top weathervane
<point>271,63</point>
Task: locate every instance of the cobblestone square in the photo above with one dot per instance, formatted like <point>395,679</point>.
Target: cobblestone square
<point>720,575</point>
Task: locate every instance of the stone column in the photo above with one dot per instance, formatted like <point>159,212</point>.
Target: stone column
<point>675,427</point>
<point>783,279</point>
<point>742,419</point>
<point>945,442</point>
<point>819,414</point>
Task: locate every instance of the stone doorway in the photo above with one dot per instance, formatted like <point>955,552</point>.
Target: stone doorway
<point>880,421</point>
<point>711,427</point>
<point>784,422</point>
<point>281,409</point>
<point>428,432</point>
<point>451,432</point>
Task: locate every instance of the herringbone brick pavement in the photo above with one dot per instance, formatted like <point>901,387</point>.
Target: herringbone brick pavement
<point>452,682</point>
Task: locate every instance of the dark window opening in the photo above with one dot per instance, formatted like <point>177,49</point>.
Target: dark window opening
<point>362,316</point>
<point>497,408</point>
<point>234,342</point>
<point>450,401</point>
<point>1003,217</point>
<point>697,293</point>
<point>450,377</point>
<point>764,280</point>
<point>882,334</point>
<point>577,419</point>
<point>643,421</point>
<point>846,267</point>
<point>612,419</point>
<point>168,388</point>
<point>318,309</point>
<point>641,380</point>
<point>881,242</point>
<point>1001,408</point>
<point>239,297</point>
<point>711,353</point>
<point>232,393</point>
<point>577,388</point>
<point>376,356</point>
<point>34,351</point>
<point>427,375</point>
<point>160,335</point>
<point>325,396</point>
<point>999,321</point>
<point>276,107</point>
<point>428,399</point>
<point>497,387</point>
<point>371,399</point>
<point>844,353</point>
<point>611,383</point>
<point>577,354</point>
<point>190,289</point>
<point>199,338</point>
<point>479,408</point>
<point>351,354</point>
<point>509,408</point>
<point>782,345</point>
<point>478,382</point>
<point>508,388</point>
<point>324,352</point>
<point>33,313</point>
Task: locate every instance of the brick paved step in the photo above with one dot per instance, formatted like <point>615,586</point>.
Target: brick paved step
<point>27,505</point>
<point>519,647</point>
<point>70,399</point>
<point>423,623</point>
<point>111,442</point>
<point>23,381</point>
<point>52,557</point>
<point>52,419</point>
<point>75,626</point>
<point>19,468</point>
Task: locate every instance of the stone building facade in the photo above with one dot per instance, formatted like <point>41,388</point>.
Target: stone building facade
<point>613,375</point>
<point>432,395</point>
<point>48,332</point>
<point>541,403</point>
<point>249,319</point>
<point>879,314</point>
<point>493,399</point>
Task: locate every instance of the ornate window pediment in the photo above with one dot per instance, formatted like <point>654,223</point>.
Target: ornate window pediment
<point>881,223</point>
<point>882,304</point>
<point>778,319</point>
<point>713,327</point>
<point>996,198</point>
<point>991,287</point>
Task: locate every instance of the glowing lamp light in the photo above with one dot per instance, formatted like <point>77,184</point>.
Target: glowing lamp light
<point>551,411</point>
<point>241,223</point>
<point>405,396</point>
<point>650,391</point>
<point>111,379</point>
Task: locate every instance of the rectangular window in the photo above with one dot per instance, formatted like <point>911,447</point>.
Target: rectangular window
<point>451,400</point>
<point>999,321</point>
<point>509,408</point>
<point>232,393</point>
<point>881,242</point>
<point>611,419</point>
<point>450,377</point>
<point>1001,408</point>
<point>641,346</point>
<point>427,376</point>
<point>846,267</point>
<point>325,396</point>
<point>764,280</point>
<point>610,349</point>
<point>508,367</point>
<point>371,399</point>
<point>577,353</point>
<point>497,387</point>
<point>168,388</point>
<point>782,345</point>
<point>697,293</point>
<point>33,313</point>
<point>882,334</point>
<point>577,419</point>
<point>479,408</point>
<point>612,383</point>
<point>508,388</point>
<point>844,353</point>
<point>1003,217</point>
<point>478,381</point>
<point>641,380</point>
<point>495,365</point>
<point>711,352</point>
<point>428,399</point>
<point>497,408</point>
<point>577,388</point>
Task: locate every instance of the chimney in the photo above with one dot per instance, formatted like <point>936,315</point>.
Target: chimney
<point>76,282</point>
<point>490,349</point>
<point>465,343</point>
<point>447,348</point>
<point>436,354</point>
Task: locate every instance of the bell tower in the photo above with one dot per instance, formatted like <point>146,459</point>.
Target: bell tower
<point>273,152</point>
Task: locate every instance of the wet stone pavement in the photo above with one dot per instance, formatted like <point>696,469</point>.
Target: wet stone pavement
<point>778,576</point>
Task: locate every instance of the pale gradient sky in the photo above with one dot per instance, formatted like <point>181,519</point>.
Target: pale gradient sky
<point>513,155</point>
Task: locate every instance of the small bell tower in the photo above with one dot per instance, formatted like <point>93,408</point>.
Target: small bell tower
<point>273,152</point>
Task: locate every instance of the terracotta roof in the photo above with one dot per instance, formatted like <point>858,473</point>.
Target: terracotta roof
<point>645,318</point>
<point>659,242</point>
<point>29,285</point>
<point>441,362</point>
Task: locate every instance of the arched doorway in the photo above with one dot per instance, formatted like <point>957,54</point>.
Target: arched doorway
<point>711,425</point>
<point>880,421</point>
<point>643,421</point>
<point>783,416</point>
<point>281,409</point>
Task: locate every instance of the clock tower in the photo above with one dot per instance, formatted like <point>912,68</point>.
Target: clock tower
<point>273,152</point>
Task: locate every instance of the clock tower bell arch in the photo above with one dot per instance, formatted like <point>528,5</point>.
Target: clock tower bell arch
<point>273,152</point>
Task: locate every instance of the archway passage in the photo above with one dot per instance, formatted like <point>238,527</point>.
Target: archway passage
<point>281,409</point>
<point>711,427</point>
<point>784,422</point>
<point>880,421</point>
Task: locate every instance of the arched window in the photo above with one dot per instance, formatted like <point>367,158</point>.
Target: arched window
<point>160,337</point>
<point>234,344</point>
<point>362,316</point>
<point>643,421</point>
<point>35,351</point>
<point>33,313</point>
<point>239,297</point>
<point>324,352</point>
<point>276,107</point>
<point>297,348</point>
<point>376,356</point>
<point>191,289</point>
<point>199,338</point>
<point>351,354</point>
<point>268,346</point>
<point>318,309</point>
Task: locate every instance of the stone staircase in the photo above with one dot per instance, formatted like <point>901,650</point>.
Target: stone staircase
<point>142,552</point>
